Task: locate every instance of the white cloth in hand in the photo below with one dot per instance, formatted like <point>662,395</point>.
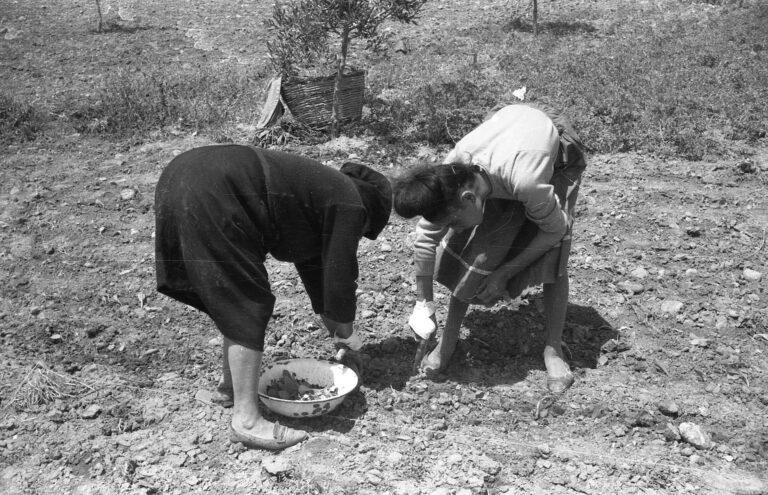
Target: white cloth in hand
<point>422,320</point>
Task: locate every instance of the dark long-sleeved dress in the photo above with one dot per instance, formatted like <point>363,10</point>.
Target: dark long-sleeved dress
<point>221,209</point>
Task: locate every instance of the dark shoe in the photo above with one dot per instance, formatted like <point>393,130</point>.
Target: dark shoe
<point>282,438</point>
<point>561,384</point>
<point>225,397</point>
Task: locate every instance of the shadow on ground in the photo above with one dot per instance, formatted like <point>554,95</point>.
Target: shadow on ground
<point>503,345</point>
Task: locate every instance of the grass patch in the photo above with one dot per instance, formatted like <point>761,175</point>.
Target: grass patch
<point>19,122</point>
<point>205,98</point>
<point>681,79</point>
<point>42,385</point>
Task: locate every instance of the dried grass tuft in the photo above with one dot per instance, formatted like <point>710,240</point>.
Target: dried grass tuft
<point>42,385</point>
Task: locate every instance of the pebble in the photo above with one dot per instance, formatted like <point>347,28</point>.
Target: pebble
<point>752,275</point>
<point>669,408</point>
<point>276,465</point>
<point>639,273</point>
<point>671,307</point>
<point>695,435</point>
<point>91,411</point>
<point>488,465</point>
<point>127,194</point>
<point>631,287</point>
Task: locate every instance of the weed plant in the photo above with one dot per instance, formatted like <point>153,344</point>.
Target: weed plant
<point>205,98</point>
<point>19,122</point>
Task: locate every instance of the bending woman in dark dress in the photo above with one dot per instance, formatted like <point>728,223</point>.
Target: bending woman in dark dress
<point>219,211</point>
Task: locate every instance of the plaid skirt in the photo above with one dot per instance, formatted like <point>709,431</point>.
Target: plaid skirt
<point>465,258</point>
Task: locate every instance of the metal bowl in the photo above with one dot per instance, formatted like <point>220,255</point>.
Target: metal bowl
<point>317,372</point>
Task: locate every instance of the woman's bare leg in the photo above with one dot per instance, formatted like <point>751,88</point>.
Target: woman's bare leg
<point>559,377</point>
<point>438,359</point>
<point>245,368</point>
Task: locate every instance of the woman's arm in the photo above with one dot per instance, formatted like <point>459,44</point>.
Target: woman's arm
<point>494,285</point>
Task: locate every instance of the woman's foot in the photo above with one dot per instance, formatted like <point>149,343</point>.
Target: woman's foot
<point>224,395</point>
<point>437,360</point>
<point>559,376</point>
<point>265,435</point>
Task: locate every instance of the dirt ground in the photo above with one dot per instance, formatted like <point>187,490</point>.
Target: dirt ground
<point>666,324</point>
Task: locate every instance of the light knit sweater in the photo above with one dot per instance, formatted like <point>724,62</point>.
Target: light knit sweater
<point>517,147</point>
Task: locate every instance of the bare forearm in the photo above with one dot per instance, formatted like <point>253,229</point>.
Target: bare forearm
<point>424,289</point>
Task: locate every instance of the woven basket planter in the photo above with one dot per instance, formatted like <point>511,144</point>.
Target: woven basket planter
<point>310,100</point>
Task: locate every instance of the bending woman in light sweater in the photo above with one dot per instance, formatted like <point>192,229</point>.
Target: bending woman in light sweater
<point>496,218</point>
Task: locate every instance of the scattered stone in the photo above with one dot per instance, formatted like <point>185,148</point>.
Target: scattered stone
<point>374,476</point>
<point>91,411</point>
<point>454,459</point>
<point>669,408</point>
<point>367,313</point>
<point>276,465</point>
<point>204,396</point>
<point>697,341</point>
<point>385,248</point>
<point>671,307</point>
<point>488,465</point>
<point>639,273</point>
<point>127,194</point>
<point>695,435</point>
<point>619,430</point>
<point>631,287</point>
<point>752,275</point>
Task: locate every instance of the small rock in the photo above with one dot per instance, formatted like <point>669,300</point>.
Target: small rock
<point>127,194</point>
<point>669,408</point>
<point>276,465</point>
<point>639,273</point>
<point>752,275</point>
<point>671,307</point>
<point>367,313</point>
<point>204,396</point>
<point>619,430</point>
<point>453,459</point>
<point>250,456</point>
<point>631,287</point>
<point>385,248</point>
<point>488,465</point>
<point>91,411</point>
<point>695,435</point>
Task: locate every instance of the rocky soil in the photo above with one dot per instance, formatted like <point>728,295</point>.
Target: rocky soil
<point>106,385</point>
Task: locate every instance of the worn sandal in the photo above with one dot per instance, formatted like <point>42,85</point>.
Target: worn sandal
<point>223,396</point>
<point>282,438</point>
<point>561,384</point>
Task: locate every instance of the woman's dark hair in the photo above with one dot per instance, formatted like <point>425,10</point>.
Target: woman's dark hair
<point>431,190</point>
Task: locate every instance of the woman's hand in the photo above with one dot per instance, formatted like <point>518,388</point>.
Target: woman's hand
<point>493,287</point>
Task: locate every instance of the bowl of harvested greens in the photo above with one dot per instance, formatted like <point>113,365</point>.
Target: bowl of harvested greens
<point>303,388</point>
